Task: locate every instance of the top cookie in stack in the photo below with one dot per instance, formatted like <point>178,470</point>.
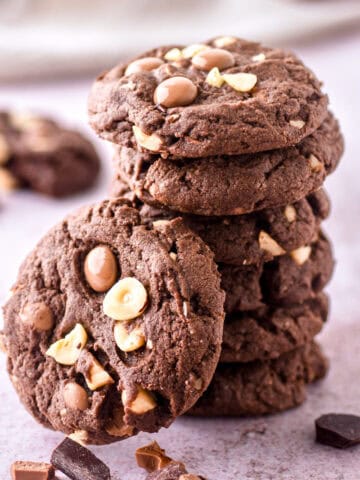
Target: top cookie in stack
<point>221,128</point>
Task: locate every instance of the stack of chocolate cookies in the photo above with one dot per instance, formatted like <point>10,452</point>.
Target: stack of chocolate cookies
<point>237,139</point>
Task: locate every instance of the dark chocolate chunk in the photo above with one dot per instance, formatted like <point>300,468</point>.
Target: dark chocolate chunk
<point>23,470</point>
<point>338,430</point>
<point>78,463</point>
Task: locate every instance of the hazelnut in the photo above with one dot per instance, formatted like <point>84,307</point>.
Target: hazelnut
<point>151,142</point>
<point>301,254</point>
<point>145,64</point>
<point>268,244</point>
<point>290,213</point>
<point>126,300</point>
<point>4,150</point>
<point>315,164</point>
<point>173,55</point>
<point>214,78</point>
<point>80,436</point>
<point>260,57</point>
<point>96,376</point>
<point>213,57</point>
<point>128,341</point>
<point>175,92</point>
<point>143,402</point>
<point>100,268</point>
<point>151,457</point>
<point>297,123</point>
<point>75,396</point>
<point>192,50</point>
<point>7,180</point>
<point>241,82</point>
<point>221,42</point>
<point>67,350</point>
<point>37,315</point>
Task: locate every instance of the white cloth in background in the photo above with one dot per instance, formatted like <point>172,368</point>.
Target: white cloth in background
<point>52,37</point>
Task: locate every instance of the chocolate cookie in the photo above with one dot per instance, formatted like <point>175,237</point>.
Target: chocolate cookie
<point>247,239</point>
<point>233,185</point>
<point>39,154</point>
<point>270,331</point>
<point>114,327</point>
<point>225,97</point>
<point>260,388</point>
<point>287,280</point>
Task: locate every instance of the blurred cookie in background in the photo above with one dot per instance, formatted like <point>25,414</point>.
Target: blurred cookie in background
<point>38,154</point>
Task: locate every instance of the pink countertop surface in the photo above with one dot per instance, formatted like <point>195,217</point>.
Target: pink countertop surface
<point>277,447</point>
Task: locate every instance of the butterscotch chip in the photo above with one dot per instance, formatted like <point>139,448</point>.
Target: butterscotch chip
<point>150,142</point>
<point>143,402</point>
<point>221,42</point>
<point>143,65</point>
<point>100,268</point>
<point>67,350</point>
<point>270,245</point>
<point>241,82</point>
<point>189,476</point>
<point>126,300</point>
<point>297,123</point>
<point>4,150</point>
<point>290,213</point>
<point>7,181</point>
<point>24,470</point>
<point>214,78</point>
<point>175,92</point>
<point>213,57</point>
<point>301,254</point>
<point>37,315</point>
<point>75,396</point>
<point>128,341</point>
<point>151,457</point>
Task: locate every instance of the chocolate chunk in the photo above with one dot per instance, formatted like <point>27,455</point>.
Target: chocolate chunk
<point>338,430</point>
<point>23,470</point>
<point>151,457</point>
<point>78,463</point>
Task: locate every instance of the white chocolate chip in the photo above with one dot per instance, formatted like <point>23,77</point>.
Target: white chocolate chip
<point>221,42</point>
<point>185,309</point>
<point>297,123</point>
<point>80,436</point>
<point>150,142</point>
<point>301,254</point>
<point>128,341</point>
<point>268,244</point>
<point>96,376</point>
<point>67,350</point>
<point>260,57</point>
<point>173,256</point>
<point>4,150</point>
<point>160,223</point>
<point>149,344</point>
<point>290,213</point>
<point>126,300</point>
<point>192,50</point>
<point>315,164</point>
<point>63,412</point>
<point>214,78</point>
<point>173,55</point>
<point>144,402</point>
<point>241,82</point>
<point>7,181</point>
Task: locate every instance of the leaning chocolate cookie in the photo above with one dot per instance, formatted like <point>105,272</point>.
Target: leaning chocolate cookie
<point>270,331</point>
<point>287,280</point>
<point>39,154</point>
<point>113,327</point>
<point>227,96</point>
<point>233,185</point>
<point>260,388</point>
<point>249,239</point>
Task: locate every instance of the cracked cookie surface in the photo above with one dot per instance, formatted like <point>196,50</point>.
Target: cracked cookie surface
<point>283,104</point>
<point>217,186</point>
<point>113,327</point>
<point>260,388</point>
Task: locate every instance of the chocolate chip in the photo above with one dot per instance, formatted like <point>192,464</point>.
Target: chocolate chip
<point>213,57</point>
<point>175,92</point>
<point>78,463</point>
<point>100,268</point>
<point>22,470</point>
<point>338,430</point>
